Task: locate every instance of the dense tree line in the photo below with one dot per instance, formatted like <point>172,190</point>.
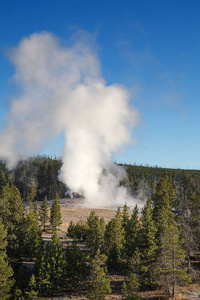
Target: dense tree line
<point>37,177</point>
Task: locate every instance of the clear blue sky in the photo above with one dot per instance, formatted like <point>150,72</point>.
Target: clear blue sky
<point>151,47</point>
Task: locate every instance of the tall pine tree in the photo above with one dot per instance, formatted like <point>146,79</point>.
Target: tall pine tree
<point>148,243</point>
<point>55,215</point>
<point>32,234</point>
<point>95,232</point>
<point>12,214</point>
<point>114,241</point>
<point>132,234</point>
<point>6,272</point>
<point>163,201</point>
<point>50,273</point>
<point>170,264</point>
<point>130,289</point>
<point>99,282</point>
<point>77,269</point>
<point>43,214</point>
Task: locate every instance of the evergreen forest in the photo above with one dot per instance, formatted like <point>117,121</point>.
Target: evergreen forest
<point>155,248</point>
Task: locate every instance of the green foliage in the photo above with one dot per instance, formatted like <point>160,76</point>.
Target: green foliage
<point>11,206</point>
<point>50,267</point>
<point>12,214</point>
<point>31,193</point>
<point>22,177</point>
<point>43,214</point>
<point>32,234</point>
<point>163,204</point>
<point>37,176</point>
<point>55,215</point>
<point>125,218</point>
<point>147,178</point>
<point>99,282</point>
<point>47,179</point>
<point>32,294</point>
<point>77,231</point>
<point>95,232</point>
<point>77,268</point>
<point>134,262</point>
<point>155,246</point>
<point>187,209</point>
<point>132,234</point>
<point>42,172</point>
<point>17,294</point>
<point>170,264</point>
<point>3,179</point>
<point>130,290</point>
<point>114,241</point>
<point>194,219</point>
<point>148,242</point>
<point>6,272</point>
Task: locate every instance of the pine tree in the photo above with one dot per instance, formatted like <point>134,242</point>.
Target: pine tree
<point>132,232</point>
<point>55,215</point>
<point>3,180</point>
<point>134,263</point>
<point>125,219</point>
<point>194,219</point>
<point>71,230</point>
<point>148,243</point>
<point>42,181</point>
<point>6,272</point>
<point>95,232</point>
<point>34,206</point>
<point>163,204</point>
<point>130,290</point>
<point>76,267</point>
<point>190,224</point>
<point>31,193</point>
<point>170,254</point>
<point>114,241</point>
<point>32,237</point>
<point>43,274</point>
<point>43,214</point>
<point>12,215</point>
<point>11,206</point>
<point>170,264</point>
<point>99,282</point>
<point>77,231</point>
<point>187,210</point>
<point>32,294</point>
<point>50,273</point>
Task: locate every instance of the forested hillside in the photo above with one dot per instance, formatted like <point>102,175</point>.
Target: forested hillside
<point>158,248</point>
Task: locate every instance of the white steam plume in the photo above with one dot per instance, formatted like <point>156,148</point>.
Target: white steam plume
<point>61,90</point>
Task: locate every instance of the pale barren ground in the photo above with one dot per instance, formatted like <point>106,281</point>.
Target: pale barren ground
<point>78,210</point>
<point>81,215</point>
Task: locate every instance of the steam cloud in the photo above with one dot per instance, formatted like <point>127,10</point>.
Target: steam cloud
<point>61,90</point>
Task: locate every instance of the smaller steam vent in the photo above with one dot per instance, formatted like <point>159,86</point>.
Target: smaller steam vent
<point>70,194</point>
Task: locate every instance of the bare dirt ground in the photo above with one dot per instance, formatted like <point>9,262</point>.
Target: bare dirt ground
<point>81,215</point>
<point>193,292</point>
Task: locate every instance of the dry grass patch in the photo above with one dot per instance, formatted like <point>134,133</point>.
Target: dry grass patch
<point>81,214</point>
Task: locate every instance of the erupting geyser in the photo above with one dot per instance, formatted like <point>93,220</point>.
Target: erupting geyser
<point>61,91</point>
